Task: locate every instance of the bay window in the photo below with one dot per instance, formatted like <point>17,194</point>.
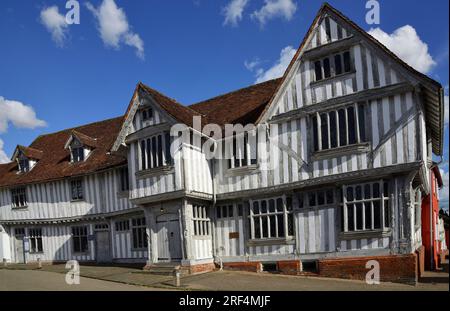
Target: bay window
<point>365,207</point>
<point>271,218</point>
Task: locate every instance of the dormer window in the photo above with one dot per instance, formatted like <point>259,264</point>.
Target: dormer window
<point>26,158</point>
<point>147,114</point>
<point>77,154</point>
<point>80,146</point>
<point>24,165</point>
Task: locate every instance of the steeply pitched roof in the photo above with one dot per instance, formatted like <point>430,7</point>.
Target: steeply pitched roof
<point>171,106</point>
<point>84,139</point>
<point>55,160</point>
<point>433,93</point>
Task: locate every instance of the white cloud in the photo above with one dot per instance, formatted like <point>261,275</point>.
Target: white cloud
<point>444,192</point>
<point>19,114</point>
<point>114,28</point>
<point>233,12</point>
<point>3,157</point>
<point>406,44</point>
<point>277,70</point>
<point>275,8</point>
<point>55,24</point>
<point>251,65</point>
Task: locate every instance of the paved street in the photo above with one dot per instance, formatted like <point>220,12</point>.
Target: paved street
<point>26,277</point>
<point>23,280</point>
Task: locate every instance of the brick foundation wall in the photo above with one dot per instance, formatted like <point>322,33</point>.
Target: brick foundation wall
<point>243,266</point>
<point>292,267</point>
<point>394,268</point>
<point>207,267</point>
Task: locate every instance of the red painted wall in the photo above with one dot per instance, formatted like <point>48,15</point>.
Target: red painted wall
<point>434,247</point>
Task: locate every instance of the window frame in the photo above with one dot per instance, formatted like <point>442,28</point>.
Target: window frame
<point>263,219</point>
<point>122,225</point>
<point>145,115</point>
<point>19,198</point>
<point>324,68</point>
<point>124,179</point>
<point>80,239</point>
<point>79,184</point>
<point>35,238</point>
<point>384,206</point>
<point>324,136</point>
<point>155,152</point>
<point>242,143</point>
<point>139,233</point>
<point>201,221</point>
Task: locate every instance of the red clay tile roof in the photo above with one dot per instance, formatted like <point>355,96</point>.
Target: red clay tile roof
<point>54,163</point>
<point>243,106</point>
<point>30,153</point>
<point>172,107</point>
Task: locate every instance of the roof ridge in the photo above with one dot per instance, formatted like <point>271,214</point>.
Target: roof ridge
<point>170,98</point>
<point>233,92</point>
<point>76,128</point>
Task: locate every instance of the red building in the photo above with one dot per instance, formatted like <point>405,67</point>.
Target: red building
<point>430,221</point>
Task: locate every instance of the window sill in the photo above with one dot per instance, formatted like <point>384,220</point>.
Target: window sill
<point>37,253</point>
<point>155,171</point>
<point>346,75</point>
<point>365,234</point>
<point>341,151</point>
<point>264,242</point>
<point>138,249</point>
<point>77,201</point>
<point>249,169</point>
<point>19,208</point>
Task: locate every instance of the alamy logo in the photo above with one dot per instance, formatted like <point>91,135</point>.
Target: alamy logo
<point>73,276</point>
<point>73,15</point>
<point>373,15</point>
<point>373,276</point>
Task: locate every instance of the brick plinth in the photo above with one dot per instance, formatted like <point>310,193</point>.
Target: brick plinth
<point>207,267</point>
<point>394,268</point>
<point>243,266</point>
<point>292,267</point>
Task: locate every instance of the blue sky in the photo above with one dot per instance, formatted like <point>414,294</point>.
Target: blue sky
<point>187,49</point>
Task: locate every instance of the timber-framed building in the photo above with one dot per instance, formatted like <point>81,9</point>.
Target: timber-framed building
<point>351,133</point>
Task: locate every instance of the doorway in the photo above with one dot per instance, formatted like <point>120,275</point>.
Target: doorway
<point>169,239</point>
<point>102,243</point>
<point>19,246</point>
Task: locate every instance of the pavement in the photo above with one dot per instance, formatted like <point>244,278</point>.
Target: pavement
<point>52,277</point>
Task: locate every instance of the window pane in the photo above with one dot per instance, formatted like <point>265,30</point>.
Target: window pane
<point>358,193</point>
<point>257,228</point>
<point>240,210</point>
<point>368,216</point>
<point>160,151</point>
<point>315,133</point>
<point>255,207</point>
<point>143,164</point>
<point>280,205</point>
<point>362,123</point>
<point>300,200</point>
<point>265,232</point>
<point>350,194</point>
<point>326,68</point>
<point>280,219</point>
<point>333,130</point>
<point>154,153</point>
<point>263,207</point>
<point>342,218</point>
<point>230,211</point>
<point>289,204</point>
<point>359,216</point>
<point>385,189</point>
<point>324,130</point>
<point>367,191</point>
<point>149,154</point>
<point>320,198</point>
<point>271,206</point>
<point>273,232</point>
<point>312,199</point>
<point>168,156</point>
<point>351,125</point>
<point>351,223</point>
<point>338,64</point>
<point>376,190</point>
<point>377,214</point>
<point>342,128</point>
<point>224,212</point>
<point>387,216</point>
<point>347,65</point>
<point>318,70</point>
<point>330,196</point>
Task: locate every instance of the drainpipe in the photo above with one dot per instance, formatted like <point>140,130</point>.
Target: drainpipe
<point>431,216</point>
